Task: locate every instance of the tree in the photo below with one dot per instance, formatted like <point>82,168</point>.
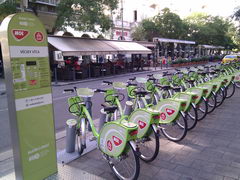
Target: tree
<point>82,15</point>
<point>213,30</point>
<point>7,8</point>
<point>170,25</point>
<point>166,24</point>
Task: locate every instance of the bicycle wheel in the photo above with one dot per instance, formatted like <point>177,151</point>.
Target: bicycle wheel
<point>149,145</point>
<point>212,102</point>
<point>192,117</point>
<point>202,109</point>
<point>176,130</point>
<point>81,137</point>
<point>220,97</point>
<point>237,84</point>
<point>230,90</point>
<point>127,166</point>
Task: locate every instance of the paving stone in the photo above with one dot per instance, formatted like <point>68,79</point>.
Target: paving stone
<point>182,160</point>
<point>227,171</point>
<point>165,174</point>
<point>209,176</point>
<point>108,175</point>
<point>186,171</point>
<point>163,164</point>
<point>149,170</point>
<point>203,165</point>
<point>228,178</point>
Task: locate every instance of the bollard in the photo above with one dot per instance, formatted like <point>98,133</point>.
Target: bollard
<point>128,108</point>
<point>148,99</point>
<point>71,135</point>
<point>102,119</point>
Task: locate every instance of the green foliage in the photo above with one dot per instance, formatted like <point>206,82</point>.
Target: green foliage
<point>85,15</point>
<point>169,24</point>
<point>7,8</point>
<point>214,30</point>
<point>166,24</point>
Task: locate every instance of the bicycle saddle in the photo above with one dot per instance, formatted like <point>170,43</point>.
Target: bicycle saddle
<point>202,73</point>
<point>176,88</point>
<point>141,93</point>
<point>190,80</point>
<point>164,87</point>
<point>109,109</point>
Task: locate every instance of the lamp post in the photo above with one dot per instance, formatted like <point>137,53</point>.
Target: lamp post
<point>122,18</point>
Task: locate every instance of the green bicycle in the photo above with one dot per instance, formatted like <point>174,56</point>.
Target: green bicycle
<point>116,139</point>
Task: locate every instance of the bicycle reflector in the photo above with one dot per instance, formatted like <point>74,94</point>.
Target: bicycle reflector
<point>194,97</point>
<point>134,132</point>
<point>183,104</point>
<point>214,86</point>
<point>205,91</point>
<point>156,116</point>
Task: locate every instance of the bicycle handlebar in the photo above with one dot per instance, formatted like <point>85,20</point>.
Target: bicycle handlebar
<point>100,90</point>
<point>68,90</point>
<point>108,82</point>
<point>132,79</point>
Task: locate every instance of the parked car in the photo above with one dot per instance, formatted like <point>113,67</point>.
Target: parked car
<point>229,58</point>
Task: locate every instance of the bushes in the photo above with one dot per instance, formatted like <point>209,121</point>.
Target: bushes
<point>186,62</point>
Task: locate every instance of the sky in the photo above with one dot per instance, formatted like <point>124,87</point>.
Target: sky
<point>183,8</point>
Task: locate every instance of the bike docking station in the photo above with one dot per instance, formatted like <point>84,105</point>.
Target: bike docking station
<point>28,86</point>
<point>70,153</point>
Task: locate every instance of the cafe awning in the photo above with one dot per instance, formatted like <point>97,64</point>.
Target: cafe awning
<point>127,47</point>
<point>72,46</point>
<point>173,41</point>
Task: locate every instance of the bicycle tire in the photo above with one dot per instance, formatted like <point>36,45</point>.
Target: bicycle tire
<point>177,124</point>
<point>237,84</point>
<point>192,117</point>
<point>135,160</point>
<point>149,157</point>
<point>202,111</point>
<point>81,137</point>
<point>230,92</point>
<point>212,102</point>
<point>220,97</point>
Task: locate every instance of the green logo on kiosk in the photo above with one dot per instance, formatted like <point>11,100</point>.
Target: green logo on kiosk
<point>19,34</point>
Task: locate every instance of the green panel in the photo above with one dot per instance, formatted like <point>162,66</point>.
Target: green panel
<point>28,49</point>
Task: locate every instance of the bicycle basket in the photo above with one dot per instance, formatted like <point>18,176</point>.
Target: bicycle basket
<point>119,85</point>
<point>141,80</point>
<point>85,92</point>
<point>74,105</point>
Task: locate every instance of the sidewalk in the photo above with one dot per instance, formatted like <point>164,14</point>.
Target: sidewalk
<point>210,151</point>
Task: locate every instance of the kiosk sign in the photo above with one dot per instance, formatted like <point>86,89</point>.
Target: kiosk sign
<point>25,56</point>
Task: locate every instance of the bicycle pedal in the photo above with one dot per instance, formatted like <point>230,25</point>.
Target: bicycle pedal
<point>92,138</point>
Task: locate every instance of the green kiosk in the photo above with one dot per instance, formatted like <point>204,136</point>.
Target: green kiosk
<point>26,62</point>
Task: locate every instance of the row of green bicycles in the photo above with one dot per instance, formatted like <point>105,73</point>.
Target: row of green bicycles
<point>167,103</point>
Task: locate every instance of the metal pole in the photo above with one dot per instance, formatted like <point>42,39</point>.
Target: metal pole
<point>55,75</point>
<point>122,18</point>
<point>74,74</point>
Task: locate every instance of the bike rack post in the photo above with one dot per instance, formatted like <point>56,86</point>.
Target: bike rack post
<point>128,108</point>
<point>102,119</point>
<point>148,99</point>
<point>71,135</point>
<point>89,108</point>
